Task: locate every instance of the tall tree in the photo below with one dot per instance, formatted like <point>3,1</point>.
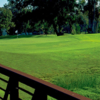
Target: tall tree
<point>93,15</point>
<point>90,9</point>
<point>6,19</point>
<point>21,17</point>
<point>15,17</point>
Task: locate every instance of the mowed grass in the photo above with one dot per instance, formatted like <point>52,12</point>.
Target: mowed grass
<point>69,61</point>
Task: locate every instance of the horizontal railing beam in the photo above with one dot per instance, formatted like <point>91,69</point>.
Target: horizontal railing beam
<point>25,90</point>
<point>4,80</point>
<point>1,98</point>
<point>2,89</point>
<point>51,89</point>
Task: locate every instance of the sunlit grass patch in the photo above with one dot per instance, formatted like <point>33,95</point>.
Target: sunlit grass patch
<point>92,40</point>
<point>2,93</point>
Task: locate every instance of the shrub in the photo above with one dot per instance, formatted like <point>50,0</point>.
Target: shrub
<point>73,29</point>
<point>78,29</point>
<point>99,28</point>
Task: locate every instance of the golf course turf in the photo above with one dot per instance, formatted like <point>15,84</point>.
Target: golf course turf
<point>69,61</point>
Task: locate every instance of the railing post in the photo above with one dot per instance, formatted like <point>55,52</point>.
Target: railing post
<point>39,94</point>
<point>7,89</point>
<point>14,93</point>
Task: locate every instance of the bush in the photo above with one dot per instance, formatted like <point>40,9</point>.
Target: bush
<point>99,28</point>
<point>73,29</point>
<point>78,29</point>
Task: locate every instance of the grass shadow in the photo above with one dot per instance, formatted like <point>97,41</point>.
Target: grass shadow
<point>14,36</point>
<point>25,36</point>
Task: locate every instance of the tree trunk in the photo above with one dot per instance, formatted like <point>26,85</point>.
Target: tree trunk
<point>92,16</point>
<point>70,27</point>
<point>46,32</point>
<point>85,30</point>
<point>59,28</point>
<point>94,6</point>
<point>0,34</point>
<point>97,27</point>
<point>25,32</point>
<point>55,29</point>
<point>93,29</point>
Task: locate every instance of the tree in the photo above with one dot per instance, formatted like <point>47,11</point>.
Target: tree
<point>21,17</point>
<point>93,15</point>
<point>82,20</point>
<point>48,10</point>
<point>92,5</point>
<point>64,8</point>
<point>90,9</point>
<point>26,26</point>
<point>15,18</point>
<point>97,18</point>
<point>6,19</point>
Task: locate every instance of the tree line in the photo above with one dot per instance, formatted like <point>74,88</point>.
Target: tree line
<point>45,15</point>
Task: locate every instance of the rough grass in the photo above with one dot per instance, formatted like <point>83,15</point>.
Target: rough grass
<point>69,61</point>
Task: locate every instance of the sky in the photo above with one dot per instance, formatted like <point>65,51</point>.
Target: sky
<point>2,2</point>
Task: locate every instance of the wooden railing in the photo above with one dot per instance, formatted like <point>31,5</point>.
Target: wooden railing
<point>42,88</point>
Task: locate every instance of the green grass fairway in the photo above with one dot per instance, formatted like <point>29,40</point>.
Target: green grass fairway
<point>69,61</point>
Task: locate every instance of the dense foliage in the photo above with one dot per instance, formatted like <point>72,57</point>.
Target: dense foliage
<point>40,15</point>
<point>6,19</point>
